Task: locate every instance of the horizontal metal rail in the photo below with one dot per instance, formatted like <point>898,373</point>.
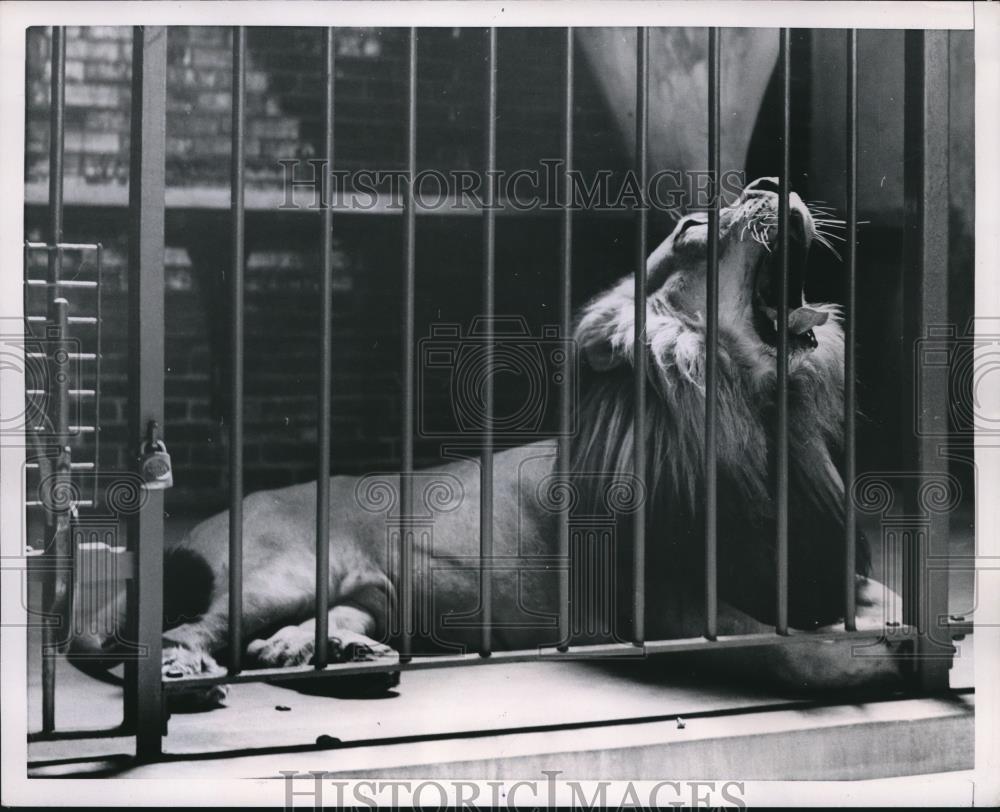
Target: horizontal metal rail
<point>626,651</point>
<point>269,200</point>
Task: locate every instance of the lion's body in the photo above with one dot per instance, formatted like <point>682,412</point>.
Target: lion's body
<point>279,548</point>
<point>600,494</point>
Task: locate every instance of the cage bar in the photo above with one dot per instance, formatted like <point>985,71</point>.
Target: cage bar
<point>57,131</point>
<point>409,329</point>
<point>325,379</point>
<point>237,180</point>
<point>925,305</point>
<point>712,338</point>
<point>565,316</point>
<point>143,683</point>
<point>57,134</point>
<point>850,332</point>
<point>781,450</point>
<point>489,304</point>
<point>639,338</point>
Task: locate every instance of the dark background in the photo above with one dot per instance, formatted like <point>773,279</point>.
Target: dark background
<point>283,247</point>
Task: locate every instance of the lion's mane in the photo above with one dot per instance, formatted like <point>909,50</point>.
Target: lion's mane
<point>602,449</point>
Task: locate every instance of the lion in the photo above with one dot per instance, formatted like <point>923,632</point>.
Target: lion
<point>600,493</point>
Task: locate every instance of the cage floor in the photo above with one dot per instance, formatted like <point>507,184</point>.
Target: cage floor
<point>428,705</point>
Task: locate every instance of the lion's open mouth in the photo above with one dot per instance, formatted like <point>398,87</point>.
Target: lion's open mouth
<point>767,291</point>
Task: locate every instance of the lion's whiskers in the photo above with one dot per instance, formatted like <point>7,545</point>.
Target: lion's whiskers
<point>823,240</point>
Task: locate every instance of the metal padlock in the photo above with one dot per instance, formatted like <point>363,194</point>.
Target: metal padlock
<point>154,465</point>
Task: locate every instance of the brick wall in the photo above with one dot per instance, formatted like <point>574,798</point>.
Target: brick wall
<point>284,89</point>
<point>281,338</point>
<point>282,257</point>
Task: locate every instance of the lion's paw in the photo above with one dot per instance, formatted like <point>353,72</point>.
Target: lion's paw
<point>290,645</point>
<point>349,647</point>
<point>293,645</point>
<point>179,662</point>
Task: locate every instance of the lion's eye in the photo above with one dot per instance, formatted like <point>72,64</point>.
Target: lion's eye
<point>686,224</point>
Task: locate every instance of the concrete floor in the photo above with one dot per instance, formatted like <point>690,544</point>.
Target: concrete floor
<point>432,709</point>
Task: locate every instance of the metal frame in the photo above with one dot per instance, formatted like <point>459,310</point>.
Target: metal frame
<point>143,681</point>
<point>926,600</point>
<point>925,297</point>
<point>56,528</point>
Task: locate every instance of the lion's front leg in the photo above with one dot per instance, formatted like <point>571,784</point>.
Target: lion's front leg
<point>349,640</point>
<point>187,652</point>
<point>814,662</point>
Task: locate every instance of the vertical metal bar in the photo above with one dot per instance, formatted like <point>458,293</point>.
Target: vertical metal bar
<point>712,338</point>
<point>409,328</point>
<point>236,350</point>
<point>489,272</point>
<point>325,378</point>
<point>850,332</point>
<point>781,445</point>
<point>61,544</point>
<point>565,316</point>
<point>144,697</point>
<point>57,111</point>
<point>639,427</point>
<point>925,298</point>
<point>97,373</point>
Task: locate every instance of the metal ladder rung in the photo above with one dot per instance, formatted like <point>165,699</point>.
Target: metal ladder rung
<point>70,319</point>
<point>77,356</point>
<point>37,503</point>
<point>65,246</point>
<point>62,283</point>
<point>74,466</point>
<point>73,393</point>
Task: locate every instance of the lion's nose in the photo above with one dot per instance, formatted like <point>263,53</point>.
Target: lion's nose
<point>762,185</point>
